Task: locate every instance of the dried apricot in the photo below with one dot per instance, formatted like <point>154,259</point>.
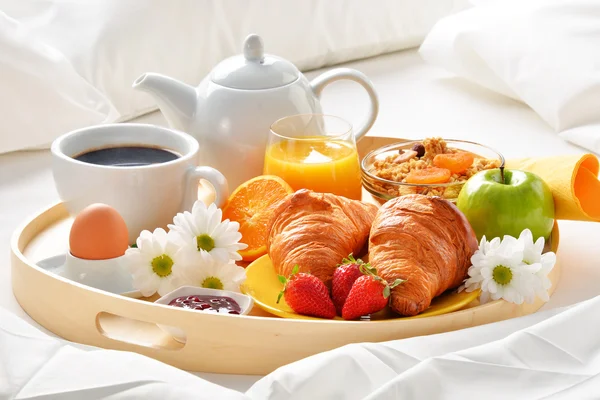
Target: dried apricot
<point>428,175</point>
<point>456,162</point>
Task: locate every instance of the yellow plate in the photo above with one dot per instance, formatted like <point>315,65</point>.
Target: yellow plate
<point>263,286</point>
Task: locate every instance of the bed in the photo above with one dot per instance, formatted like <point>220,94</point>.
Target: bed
<point>417,100</point>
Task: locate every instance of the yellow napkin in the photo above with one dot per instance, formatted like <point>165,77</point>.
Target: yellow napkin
<point>573,180</point>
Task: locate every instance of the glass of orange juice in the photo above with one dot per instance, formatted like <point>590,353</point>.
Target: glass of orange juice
<point>316,152</point>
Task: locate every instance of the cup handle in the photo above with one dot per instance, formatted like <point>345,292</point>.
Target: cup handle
<point>214,177</point>
<point>319,83</point>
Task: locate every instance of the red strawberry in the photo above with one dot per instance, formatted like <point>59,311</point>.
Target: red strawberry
<point>307,295</point>
<point>368,295</point>
<point>343,279</point>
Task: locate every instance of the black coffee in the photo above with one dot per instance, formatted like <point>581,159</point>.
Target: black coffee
<point>127,156</point>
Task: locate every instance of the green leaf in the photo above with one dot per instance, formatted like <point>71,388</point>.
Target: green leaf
<point>397,282</point>
<point>296,269</point>
<point>351,260</point>
<point>363,268</point>
<point>347,260</point>
<point>134,246</point>
<point>279,297</point>
<point>282,279</point>
<point>386,291</point>
<point>367,269</point>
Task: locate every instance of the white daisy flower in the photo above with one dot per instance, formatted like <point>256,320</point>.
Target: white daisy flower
<point>532,254</point>
<point>209,272</point>
<point>156,263</point>
<point>475,278</point>
<point>203,230</point>
<point>498,270</point>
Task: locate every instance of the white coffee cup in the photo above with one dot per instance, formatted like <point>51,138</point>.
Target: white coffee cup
<point>146,196</point>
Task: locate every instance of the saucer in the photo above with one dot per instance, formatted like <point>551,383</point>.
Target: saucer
<point>79,271</point>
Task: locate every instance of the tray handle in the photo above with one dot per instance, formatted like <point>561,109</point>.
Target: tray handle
<point>108,324</point>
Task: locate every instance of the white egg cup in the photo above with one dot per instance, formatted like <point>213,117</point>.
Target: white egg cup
<point>246,303</point>
<point>110,275</point>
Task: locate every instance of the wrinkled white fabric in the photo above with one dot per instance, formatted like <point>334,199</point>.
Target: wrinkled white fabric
<point>87,54</point>
<point>360,370</point>
<point>542,52</point>
<point>42,95</point>
<point>552,355</point>
<point>36,366</point>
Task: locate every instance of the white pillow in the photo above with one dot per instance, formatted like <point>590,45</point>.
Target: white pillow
<point>545,53</point>
<point>42,95</point>
<point>110,43</point>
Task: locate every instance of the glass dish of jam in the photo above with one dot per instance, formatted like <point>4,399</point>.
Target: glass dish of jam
<point>208,303</point>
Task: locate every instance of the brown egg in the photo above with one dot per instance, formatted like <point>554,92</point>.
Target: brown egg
<point>98,233</point>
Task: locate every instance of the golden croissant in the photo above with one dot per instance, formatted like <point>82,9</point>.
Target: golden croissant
<point>425,240</point>
<point>316,231</point>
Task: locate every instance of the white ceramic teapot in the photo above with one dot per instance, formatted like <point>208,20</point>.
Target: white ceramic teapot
<point>232,109</point>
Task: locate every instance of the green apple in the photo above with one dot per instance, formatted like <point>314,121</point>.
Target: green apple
<point>505,202</point>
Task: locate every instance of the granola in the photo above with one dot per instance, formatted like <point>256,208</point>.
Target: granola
<point>407,164</point>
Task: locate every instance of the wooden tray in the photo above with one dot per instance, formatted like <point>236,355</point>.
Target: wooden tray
<point>256,344</point>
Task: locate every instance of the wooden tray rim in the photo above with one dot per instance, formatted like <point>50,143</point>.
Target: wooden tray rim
<point>276,332</point>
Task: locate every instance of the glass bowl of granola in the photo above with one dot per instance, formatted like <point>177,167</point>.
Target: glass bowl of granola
<point>432,166</point>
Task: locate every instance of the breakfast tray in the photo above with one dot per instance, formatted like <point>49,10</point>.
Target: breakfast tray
<point>255,344</point>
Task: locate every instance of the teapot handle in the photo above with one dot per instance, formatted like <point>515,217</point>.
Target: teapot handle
<point>319,83</point>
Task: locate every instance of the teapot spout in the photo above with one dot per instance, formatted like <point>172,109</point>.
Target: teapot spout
<point>176,100</point>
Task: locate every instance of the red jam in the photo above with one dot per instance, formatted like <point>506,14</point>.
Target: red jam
<point>212,304</point>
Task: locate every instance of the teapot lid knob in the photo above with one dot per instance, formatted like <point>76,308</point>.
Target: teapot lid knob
<point>254,69</point>
<point>253,48</point>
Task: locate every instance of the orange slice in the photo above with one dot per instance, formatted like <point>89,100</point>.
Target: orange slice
<point>456,162</point>
<point>251,204</point>
<point>428,176</point>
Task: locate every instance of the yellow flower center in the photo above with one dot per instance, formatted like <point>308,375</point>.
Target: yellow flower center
<point>162,265</point>
<point>205,242</point>
<point>502,275</point>
<point>212,282</point>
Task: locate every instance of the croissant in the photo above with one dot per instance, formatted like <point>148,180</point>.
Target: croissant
<point>425,240</point>
<point>316,231</point>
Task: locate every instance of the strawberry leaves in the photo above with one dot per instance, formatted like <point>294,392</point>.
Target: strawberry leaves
<point>369,270</point>
<point>387,290</point>
<point>351,260</point>
<point>283,280</point>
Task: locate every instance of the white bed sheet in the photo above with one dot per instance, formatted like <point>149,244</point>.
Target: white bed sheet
<point>417,100</point>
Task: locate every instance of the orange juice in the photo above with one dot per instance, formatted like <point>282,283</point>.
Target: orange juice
<point>322,165</point>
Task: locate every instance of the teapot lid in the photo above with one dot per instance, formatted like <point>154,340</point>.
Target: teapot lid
<point>254,69</point>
